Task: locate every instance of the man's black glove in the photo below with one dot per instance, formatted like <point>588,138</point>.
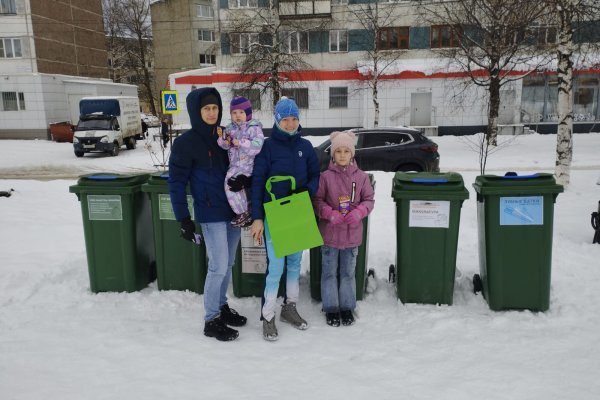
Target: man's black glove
<point>239,182</point>
<point>188,231</point>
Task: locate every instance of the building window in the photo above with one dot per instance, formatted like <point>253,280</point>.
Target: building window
<point>294,42</point>
<point>299,95</point>
<point>338,41</point>
<point>585,98</point>
<point>7,7</point>
<point>393,38</point>
<point>10,48</point>
<point>339,2</point>
<point>251,94</point>
<point>207,59</point>
<point>243,3</point>
<point>13,101</point>
<point>242,42</point>
<point>443,36</point>
<point>206,36</point>
<point>204,11</point>
<point>544,35</point>
<point>338,97</point>
<point>539,99</point>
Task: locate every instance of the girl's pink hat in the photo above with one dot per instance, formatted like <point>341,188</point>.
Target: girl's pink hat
<point>342,139</point>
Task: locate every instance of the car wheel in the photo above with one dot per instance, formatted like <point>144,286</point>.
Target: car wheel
<point>131,143</point>
<point>79,154</point>
<point>115,149</point>
<point>409,167</point>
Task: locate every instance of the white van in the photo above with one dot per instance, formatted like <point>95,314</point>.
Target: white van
<point>106,123</point>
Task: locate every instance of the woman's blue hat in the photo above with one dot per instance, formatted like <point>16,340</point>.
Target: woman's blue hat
<point>286,108</point>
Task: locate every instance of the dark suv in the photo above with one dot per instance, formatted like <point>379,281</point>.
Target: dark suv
<point>390,150</point>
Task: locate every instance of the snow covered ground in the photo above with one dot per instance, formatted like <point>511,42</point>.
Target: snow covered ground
<point>60,341</point>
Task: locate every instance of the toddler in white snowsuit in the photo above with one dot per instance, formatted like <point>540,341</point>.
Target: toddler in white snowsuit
<point>243,138</point>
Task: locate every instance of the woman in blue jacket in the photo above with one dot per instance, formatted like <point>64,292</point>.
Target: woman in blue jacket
<point>197,160</point>
<point>284,153</point>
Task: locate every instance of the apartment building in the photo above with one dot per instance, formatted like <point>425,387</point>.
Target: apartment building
<point>420,88</point>
<point>52,53</point>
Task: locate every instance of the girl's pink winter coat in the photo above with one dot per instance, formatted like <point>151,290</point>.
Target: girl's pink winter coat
<point>337,185</point>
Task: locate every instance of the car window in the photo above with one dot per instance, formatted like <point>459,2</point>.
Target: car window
<point>380,139</point>
<point>327,144</point>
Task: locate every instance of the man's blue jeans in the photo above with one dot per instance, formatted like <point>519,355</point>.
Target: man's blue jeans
<point>221,241</point>
<point>273,276</point>
<point>344,298</point>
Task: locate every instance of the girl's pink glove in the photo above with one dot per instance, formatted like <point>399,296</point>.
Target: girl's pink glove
<point>332,215</point>
<point>356,215</point>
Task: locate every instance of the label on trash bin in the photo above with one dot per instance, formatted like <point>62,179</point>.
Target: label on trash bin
<point>105,207</point>
<point>429,214</point>
<point>165,208</point>
<point>523,210</point>
<point>254,258</point>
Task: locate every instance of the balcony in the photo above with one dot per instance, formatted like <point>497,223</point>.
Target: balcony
<point>297,9</point>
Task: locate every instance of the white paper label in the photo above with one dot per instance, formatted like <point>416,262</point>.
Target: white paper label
<point>429,214</point>
<point>254,258</point>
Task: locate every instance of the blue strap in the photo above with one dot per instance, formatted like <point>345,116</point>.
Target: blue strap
<point>436,180</point>
<point>521,176</point>
<point>102,177</point>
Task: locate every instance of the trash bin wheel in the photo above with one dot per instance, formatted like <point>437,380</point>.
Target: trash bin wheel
<point>477,284</point>
<point>79,154</point>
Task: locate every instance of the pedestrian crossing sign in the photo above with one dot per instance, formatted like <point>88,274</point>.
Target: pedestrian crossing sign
<point>169,102</point>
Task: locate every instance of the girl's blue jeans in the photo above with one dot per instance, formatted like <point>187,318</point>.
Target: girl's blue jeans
<point>343,297</point>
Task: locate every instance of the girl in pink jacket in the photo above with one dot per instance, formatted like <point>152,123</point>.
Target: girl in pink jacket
<point>344,198</point>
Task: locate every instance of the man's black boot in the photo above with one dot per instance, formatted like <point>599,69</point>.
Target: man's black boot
<point>231,317</point>
<point>216,328</point>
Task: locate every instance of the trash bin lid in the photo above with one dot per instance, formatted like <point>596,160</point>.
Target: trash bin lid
<point>429,186</point>
<point>109,183</point>
<point>158,183</point>
<point>539,183</point>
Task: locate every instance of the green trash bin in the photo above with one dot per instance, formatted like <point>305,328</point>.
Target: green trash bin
<point>361,263</point>
<point>117,226</point>
<point>427,220</point>
<point>180,265</point>
<point>515,215</point>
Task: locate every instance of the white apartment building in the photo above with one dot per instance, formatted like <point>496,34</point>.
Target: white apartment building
<point>419,89</point>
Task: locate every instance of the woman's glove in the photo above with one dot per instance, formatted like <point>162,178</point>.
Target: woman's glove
<point>356,215</point>
<point>331,215</point>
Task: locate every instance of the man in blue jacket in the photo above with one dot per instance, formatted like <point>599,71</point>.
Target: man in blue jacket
<point>197,160</point>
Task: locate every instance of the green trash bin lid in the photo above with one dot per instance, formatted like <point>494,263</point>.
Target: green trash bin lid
<point>540,183</point>
<point>109,183</point>
<point>157,183</point>
<point>429,186</point>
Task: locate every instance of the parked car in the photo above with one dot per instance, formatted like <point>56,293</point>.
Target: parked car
<point>390,150</point>
<point>150,120</point>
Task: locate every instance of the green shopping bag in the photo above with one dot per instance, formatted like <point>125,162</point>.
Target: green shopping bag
<point>291,220</point>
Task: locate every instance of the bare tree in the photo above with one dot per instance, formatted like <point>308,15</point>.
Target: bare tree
<point>271,48</point>
<point>572,18</point>
<point>129,31</point>
<point>376,18</point>
<point>497,37</point>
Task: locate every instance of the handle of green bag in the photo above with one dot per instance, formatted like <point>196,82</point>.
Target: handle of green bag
<point>277,178</point>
